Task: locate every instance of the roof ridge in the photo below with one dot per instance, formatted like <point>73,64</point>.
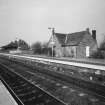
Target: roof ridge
<point>61,33</point>
<point>77,32</point>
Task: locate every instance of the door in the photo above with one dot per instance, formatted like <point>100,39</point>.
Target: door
<point>87,51</point>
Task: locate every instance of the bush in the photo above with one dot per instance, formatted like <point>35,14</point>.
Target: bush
<point>98,54</point>
<point>43,49</point>
<point>37,48</point>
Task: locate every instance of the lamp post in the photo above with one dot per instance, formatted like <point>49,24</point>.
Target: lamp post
<point>17,43</point>
<point>52,42</point>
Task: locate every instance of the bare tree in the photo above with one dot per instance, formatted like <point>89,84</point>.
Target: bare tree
<point>102,45</point>
<point>37,48</point>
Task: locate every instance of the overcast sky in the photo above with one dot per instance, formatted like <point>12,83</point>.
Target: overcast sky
<point>30,19</point>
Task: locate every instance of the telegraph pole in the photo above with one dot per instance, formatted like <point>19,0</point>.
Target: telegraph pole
<point>52,42</point>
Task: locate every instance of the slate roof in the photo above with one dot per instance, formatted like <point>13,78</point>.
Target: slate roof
<point>70,39</point>
<point>61,38</point>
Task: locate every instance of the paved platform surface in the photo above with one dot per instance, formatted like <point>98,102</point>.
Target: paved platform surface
<point>81,60</point>
<point>5,96</point>
<point>87,60</point>
<point>86,63</point>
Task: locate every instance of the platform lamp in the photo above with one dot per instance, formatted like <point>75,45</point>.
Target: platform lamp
<point>52,42</point>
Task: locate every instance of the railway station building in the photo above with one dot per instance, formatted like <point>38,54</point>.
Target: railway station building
<point>77,45</point>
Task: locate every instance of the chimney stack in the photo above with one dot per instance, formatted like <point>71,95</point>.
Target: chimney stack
<point>94,34</point>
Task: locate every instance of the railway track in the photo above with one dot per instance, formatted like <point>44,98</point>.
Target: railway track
<point>91,86</point>
<point>24,92</point>
<point>14,64</point>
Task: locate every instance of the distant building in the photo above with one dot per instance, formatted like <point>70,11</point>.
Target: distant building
<point>78,44</point>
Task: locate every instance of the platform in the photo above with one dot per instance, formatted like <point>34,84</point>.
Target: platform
<point>5,97</point>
